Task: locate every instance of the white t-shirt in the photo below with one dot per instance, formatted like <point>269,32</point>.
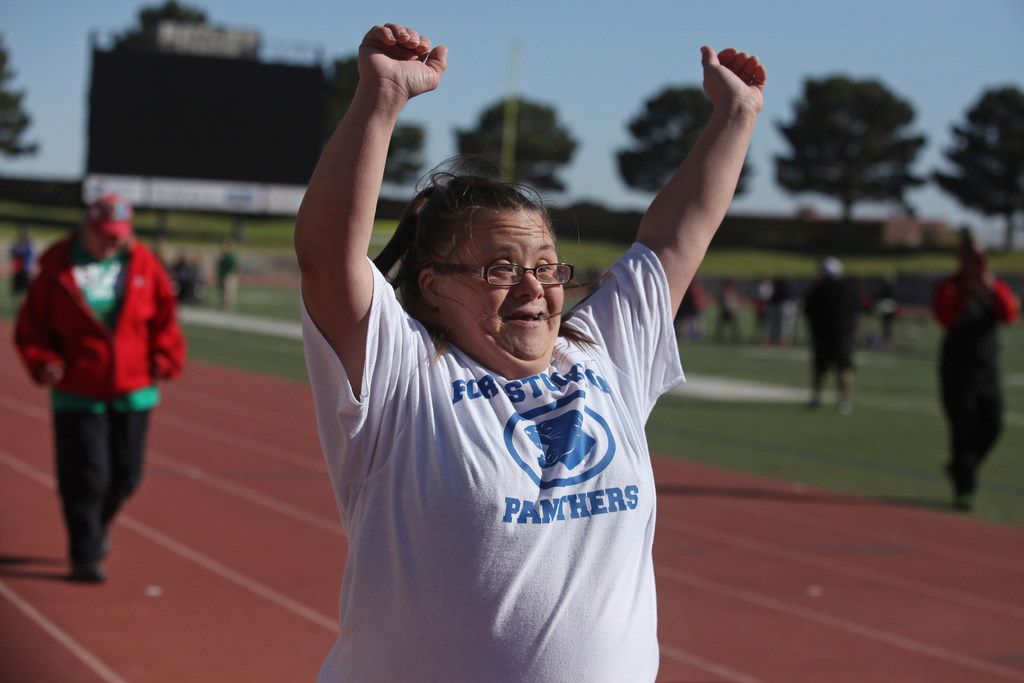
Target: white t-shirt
<point>499,530</point>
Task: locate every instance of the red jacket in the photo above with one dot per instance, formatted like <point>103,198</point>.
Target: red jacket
<point>949,299</point>
<point>56,325</point>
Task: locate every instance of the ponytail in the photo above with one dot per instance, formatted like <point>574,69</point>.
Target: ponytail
<point>402,243</point>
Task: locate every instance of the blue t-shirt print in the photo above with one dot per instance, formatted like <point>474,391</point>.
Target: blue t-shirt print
<point>568,441</point>
<point>561,440</point>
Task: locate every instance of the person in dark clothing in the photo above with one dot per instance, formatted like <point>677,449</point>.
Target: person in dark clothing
<point>886,306</point>
<point>23,264</point>
<point>727,325</point>
<point>227,275</point>
<point>762,298</point>
<point>969,305</point>
<point>782,313</point>
<point>691,310</point>
<point>831,310</point>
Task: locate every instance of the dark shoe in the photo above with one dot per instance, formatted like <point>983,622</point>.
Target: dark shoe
<point>87,572</point>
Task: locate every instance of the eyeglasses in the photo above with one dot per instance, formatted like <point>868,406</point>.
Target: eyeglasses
<point>509,274</point>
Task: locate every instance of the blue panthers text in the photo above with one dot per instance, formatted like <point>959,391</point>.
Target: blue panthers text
<point>571,506</point>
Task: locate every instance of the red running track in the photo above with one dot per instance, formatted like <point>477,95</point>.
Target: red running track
<point>226,565</point>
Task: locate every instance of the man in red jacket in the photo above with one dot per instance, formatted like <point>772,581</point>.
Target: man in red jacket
<point>969,305</point>
<point>98,327</point>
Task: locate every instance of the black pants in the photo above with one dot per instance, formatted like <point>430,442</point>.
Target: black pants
<point>975,414</point>
<point>99,465</point>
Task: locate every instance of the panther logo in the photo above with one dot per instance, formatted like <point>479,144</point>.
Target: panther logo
<point>561,440</point>
<point>561,443</point>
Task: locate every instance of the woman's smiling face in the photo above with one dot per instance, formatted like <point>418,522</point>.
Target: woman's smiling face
<point>510,330</point>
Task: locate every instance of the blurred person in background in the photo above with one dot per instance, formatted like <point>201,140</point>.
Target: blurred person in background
<point>227,275</point>
<point>689,322</point>
<point>727,324</point>
<point>23,264</point>
<point>187,279</point>
<point>969,305</point>
<point>886,307</point>
<point>762,297</point>
<point>98,327</point>
<point>782,313</point>
<point>831,308</point>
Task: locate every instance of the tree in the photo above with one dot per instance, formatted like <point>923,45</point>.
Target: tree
<point>405,154</point>
<point>664,133</point>
<point>542,146</point>
<point>13,118</point>
<point>143,36</point>
<point>988,153</point>
<point>849,141</point>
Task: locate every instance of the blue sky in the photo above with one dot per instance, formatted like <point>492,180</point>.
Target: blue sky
<point>595,62</point>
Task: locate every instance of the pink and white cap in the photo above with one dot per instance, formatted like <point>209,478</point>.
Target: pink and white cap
<point>111,215</point>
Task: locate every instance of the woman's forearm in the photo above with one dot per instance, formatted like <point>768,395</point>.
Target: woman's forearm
<point>335,220</point>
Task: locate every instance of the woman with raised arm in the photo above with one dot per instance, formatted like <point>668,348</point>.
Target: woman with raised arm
<point>487,448</point>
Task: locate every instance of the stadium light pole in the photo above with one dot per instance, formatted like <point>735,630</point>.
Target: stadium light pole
<point>511,118</point>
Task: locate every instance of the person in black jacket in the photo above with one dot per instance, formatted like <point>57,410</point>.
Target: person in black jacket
<point>831,310</point>
<point>970,304</point>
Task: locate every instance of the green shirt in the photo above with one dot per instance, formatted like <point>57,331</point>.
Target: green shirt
<point>102,285</point>
<point>226,264</point>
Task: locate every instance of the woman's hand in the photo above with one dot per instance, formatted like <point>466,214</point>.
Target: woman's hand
<point>733,77</point>
<point>683,218</point>
<point>51,374</point>
<point>399,59</point>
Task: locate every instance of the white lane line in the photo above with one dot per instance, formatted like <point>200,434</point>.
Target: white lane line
<point>716,388</point>
<point>232,576</point>
<point>55,631</point>
<point>229,405</point>
<point>245,493</point>
<point>197,428</point>
<point>197,474</point>
<point>61,636</point>
<point>853,627</point>
<point>722,672</point>
<point>190,554</point>
<point>752,545</point>
<point>973,557</point>
<point>17,405</point>
<point>39,477</point>
<point>236,440</point>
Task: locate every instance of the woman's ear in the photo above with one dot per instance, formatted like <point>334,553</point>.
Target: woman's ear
<point>427,281</point>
